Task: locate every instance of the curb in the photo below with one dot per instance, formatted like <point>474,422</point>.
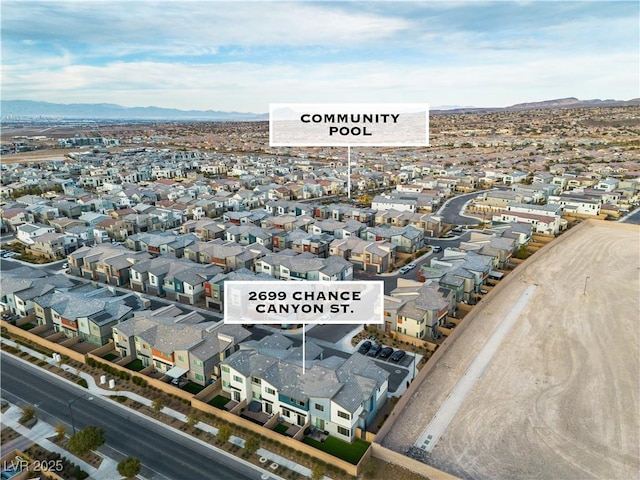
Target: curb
<point>106,394</point>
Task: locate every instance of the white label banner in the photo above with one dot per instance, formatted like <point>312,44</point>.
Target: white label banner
<point>282,302</point>
<point>348,124</point>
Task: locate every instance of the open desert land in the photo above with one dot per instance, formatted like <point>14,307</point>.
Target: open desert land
<point>560,396</point>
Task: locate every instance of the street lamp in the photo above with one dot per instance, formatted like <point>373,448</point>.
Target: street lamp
<point>73,426</point>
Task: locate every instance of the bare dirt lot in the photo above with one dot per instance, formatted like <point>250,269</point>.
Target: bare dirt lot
<point>560,398</point>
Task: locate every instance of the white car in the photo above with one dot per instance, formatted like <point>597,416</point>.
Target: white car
<point>411,266</point>
<point>65,265</point>
<point>404,270</point>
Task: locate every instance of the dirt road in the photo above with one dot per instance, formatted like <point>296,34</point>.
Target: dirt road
<point>560,398</point>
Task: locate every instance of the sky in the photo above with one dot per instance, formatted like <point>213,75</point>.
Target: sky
<point>242,56</point>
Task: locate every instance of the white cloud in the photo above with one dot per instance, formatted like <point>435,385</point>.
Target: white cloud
<point>251,86</point>
<point>249,54</point>
<point>165,27</point>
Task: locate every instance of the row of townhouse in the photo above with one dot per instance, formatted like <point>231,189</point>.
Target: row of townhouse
<point>160,243</point>
<point>178,344</point>
<point>431,225</point>
<point>170,277</point>
<point>65,305</point>
<point>406,202</point>
<point>577,203</point>
<point>365,255</point>
<point>20,286</point>
<point>214,288</point>
<point>174,279</point>
<point>105,263</point>
<point>288,265</point>
<point>188,282</point>
<point>44,241</point>
<point>463,272</point>
<point>418,309</point>
<point>546,219</point>
<point>226,255</point>
<point>344,212</point>
<point>86,312</point>
<point>333,394</point>
<point>407,239</point>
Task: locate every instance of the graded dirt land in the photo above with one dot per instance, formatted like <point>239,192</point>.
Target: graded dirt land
<point>560,397</point>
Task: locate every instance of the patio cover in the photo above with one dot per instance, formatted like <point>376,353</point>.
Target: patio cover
<point>176,372</point>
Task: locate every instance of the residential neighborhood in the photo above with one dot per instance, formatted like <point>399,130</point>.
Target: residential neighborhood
<point>117,253</point>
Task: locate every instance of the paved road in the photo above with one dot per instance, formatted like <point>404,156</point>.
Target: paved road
<point>450,211</point>
<point>633,217</point>
<point>390,281</point>
<point>164,453</point>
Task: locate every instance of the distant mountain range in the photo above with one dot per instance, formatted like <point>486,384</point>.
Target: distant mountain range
<point>21,109</point>
<point>570,102</point>
<point>103,111</point>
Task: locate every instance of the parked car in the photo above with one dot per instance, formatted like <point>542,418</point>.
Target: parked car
<point>411,266</point>
<point>179,382</point>
<point>436,248</point>
<point>449,325</point>
<point>365,347</point>
<point>397,355</point>
<point>65,265</point>
<point>375,350</point>
<point>404,270</point>
<point>385,352</point>
<point>484,291</point>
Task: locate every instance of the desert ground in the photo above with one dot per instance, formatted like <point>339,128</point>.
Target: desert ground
<point>560,397</point>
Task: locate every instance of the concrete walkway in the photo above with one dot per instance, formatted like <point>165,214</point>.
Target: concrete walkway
<point>448,409</point>
<point>99,390</point>
<point>41,432</point>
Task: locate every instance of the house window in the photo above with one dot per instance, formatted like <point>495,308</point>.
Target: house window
<point>344,415</point>
<point>197,363</point>
<point>181,358</point>
<point>199,377</point>
<point>344,431</point>
<point>319,407</point>
<point>236,378</point>
<point>270,391</point>
<point>256,380</point>
<point>225,383</point>
<point>225,369</point>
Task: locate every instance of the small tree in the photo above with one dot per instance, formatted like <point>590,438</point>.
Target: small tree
<point>224,433</point>
<point>157,405</point>
<point>192,419</point>
<point>61,431</point>
<point>28,412</point>
<point>252,445</point>
<point>89,438</point>
<point>317,472</point>
<point>129,467</point>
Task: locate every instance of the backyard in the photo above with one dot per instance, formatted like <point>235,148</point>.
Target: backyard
<point>350,452</point>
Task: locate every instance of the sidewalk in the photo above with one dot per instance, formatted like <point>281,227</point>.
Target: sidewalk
<point>98,390</point>
<point>39,434</point>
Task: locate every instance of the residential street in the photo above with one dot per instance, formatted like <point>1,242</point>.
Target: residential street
<point>164,453</point>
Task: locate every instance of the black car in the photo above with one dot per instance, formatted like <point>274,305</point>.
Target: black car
<point>397,355</point>
<point>364,348</point>
<point>386,352</point>
<point>375,350</point>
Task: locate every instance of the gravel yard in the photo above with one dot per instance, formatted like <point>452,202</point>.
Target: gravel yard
<point>560,397</point>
